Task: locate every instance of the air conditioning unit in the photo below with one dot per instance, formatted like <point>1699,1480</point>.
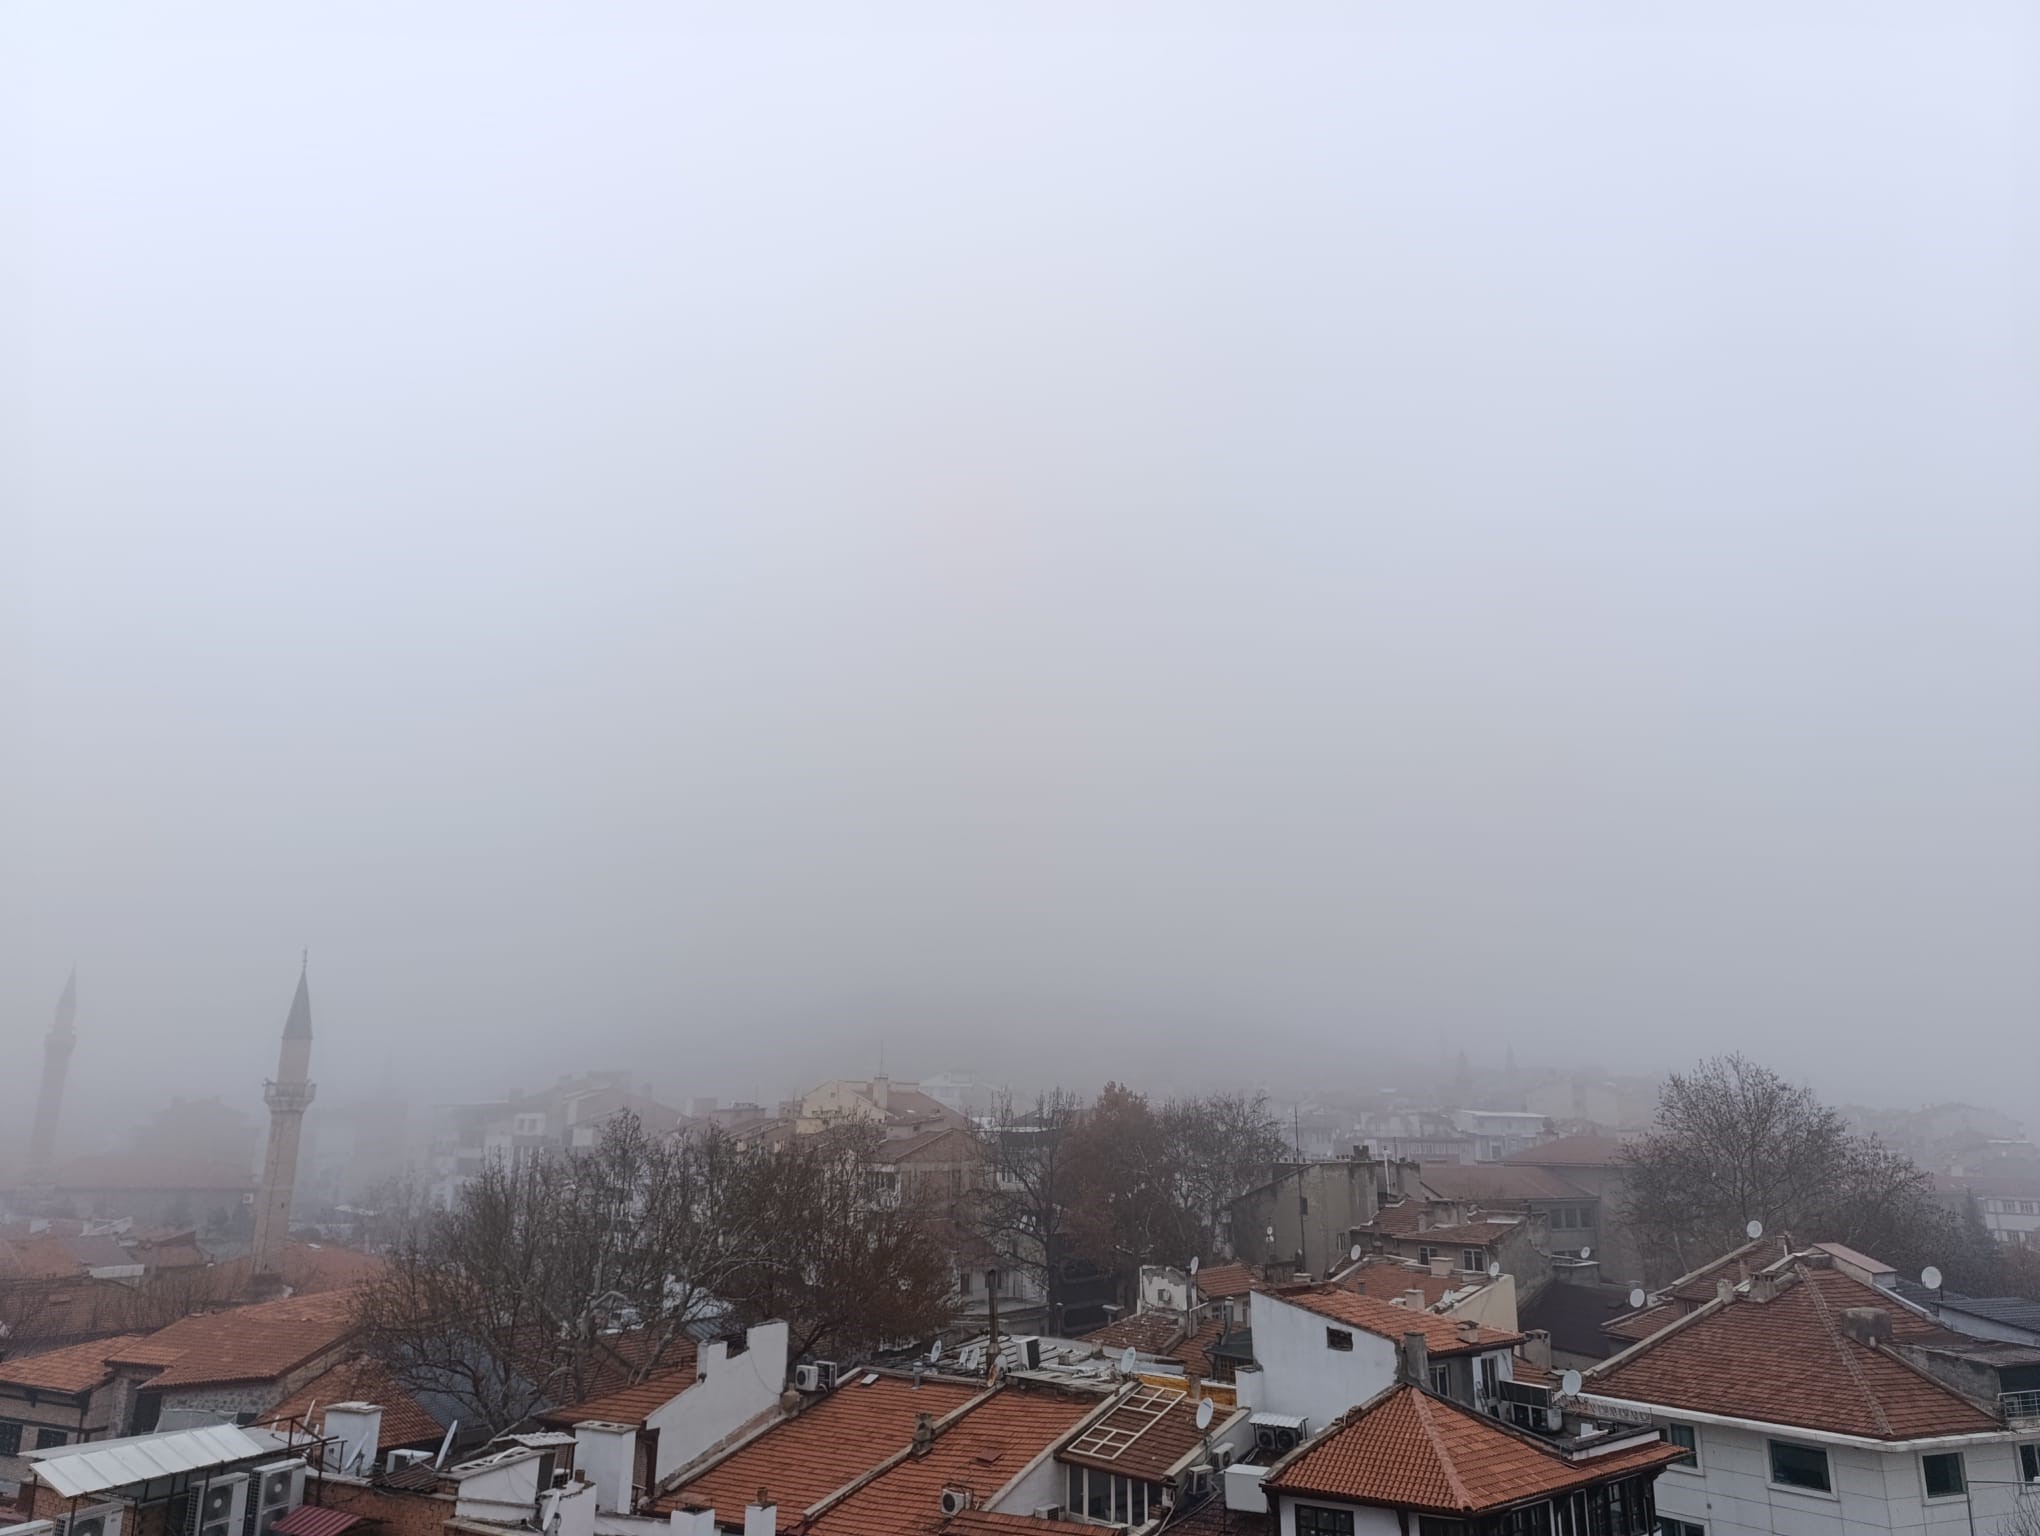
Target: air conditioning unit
<point>95,1520</point>
<point>1287,1439</point>
<point>1264,1437</point>
<point>1039,1512</point>
<point>279,1489</point>
<point>1223,1456</point>
<point>1197,1482</point>
<point>806,1378</point>
<point>826,1374</point>
<point>219,1506</point>
<point>30,1528</point>
<point>955,1501</point>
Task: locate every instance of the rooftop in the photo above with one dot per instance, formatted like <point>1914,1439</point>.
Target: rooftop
<point>1150,1333</point>
<point>1442,1335</point>
<point>78,1368</point>
<point>832,1442</point>
<point>981,1450</point>
<point>630,1404</point>
<point>405,1420</point>
<point>1788,1361</point>
<point>1217,1282</point>
<point>255,1343</point>
<point>1391,1280</point>
<point>1411,1450</point>
<point>96,1466</point>
<point>1143,1437</point>
<point>1497,1182</point>
<point>1572,1152</point>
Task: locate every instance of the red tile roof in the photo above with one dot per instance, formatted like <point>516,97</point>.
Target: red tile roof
<point>255,1343</point>
<point>77,1368</point>
<point>1572,1152</point>
<point>631,1404</point>
<point>1787,1361</point>
<point>1696,1288</point>
<point>1152,1333</point>
<point>1391,1280</point>
<point>1196,1351</point>
<point>1398,1217</point>
<point>1219,1281</point>
<point>1442,1335</point>
<point>1492,1182</point>
<point>1410,1450</point>
<point>802,1460</point>
<point>981,1450</point>
<point>405,1420</point>
<point>308,1269</point>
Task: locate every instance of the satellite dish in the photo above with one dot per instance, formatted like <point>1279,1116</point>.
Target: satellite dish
<point>1354,1253</point>
<point>1193,1265</point>
<point>1637,1298</point>
<point>1930,1277</point>
<point>1569,1383</point>
<point>1755,1230</point>
<point>1204,1414</point>
<point>1128,1360</point>
<point>1586,1253</point>
<point>1494,1270</point>
<point>934,1351</point>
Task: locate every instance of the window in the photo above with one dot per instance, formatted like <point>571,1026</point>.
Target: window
<point>1440,1379</point>
<point>2029,1462</point>
<point>1473,1259</point>
<point>10,1438</point>
<point>1424,1255</point>
<point>1431,1525</point>
<point>1800,1466</point>
<point>1338,1338</point>
<point>1303,1205</point>
<point>1944,1475</point>
<point>1687,1438</point>
<point>1490,1378</point>
<point>1670,1527</point>
<point>1316,1520</point>
<point>1533,1520</point>
<point>47,1438</point>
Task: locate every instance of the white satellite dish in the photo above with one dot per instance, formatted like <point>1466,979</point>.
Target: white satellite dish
<point>1569,1383</point>
<point>934,1351</point>
<point>1586,1253</point>
<point>1930,1277</point>
<point>1204,1414</point>
<point>1193,1265</point>
<point>1354,1253</point>
<point>1637,1298</point>
<point>1755,1230</point>
<point>1128,1359</point>
<point>1494,1270</point>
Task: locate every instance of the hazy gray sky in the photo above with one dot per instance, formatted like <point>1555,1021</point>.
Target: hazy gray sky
<point>1078,539</point>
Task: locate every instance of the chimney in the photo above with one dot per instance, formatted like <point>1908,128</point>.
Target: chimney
<point>1763,1286</point>
<point>761,1518</point>
<point>1724,1288</point>
<point>1468,1328</point>
<point>692,1522</point>
<point>1442,1268</point>
<point>1416,1358</point>
<point>1537,1348</point>
<point>358,1429</point>
<point>924,1435</point>
<point>1414,1300</point>
<point>608,1454</point>
<point>1867,1325</point>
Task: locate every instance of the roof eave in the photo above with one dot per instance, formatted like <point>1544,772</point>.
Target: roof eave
<point>1800,1431</point>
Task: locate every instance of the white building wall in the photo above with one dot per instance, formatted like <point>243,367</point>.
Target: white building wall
<point>1731,1494</point>
<point>728,1393</point>
<point>1300,1375</point>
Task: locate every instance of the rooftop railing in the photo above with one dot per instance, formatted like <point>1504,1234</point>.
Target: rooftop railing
<point>2020,1408</point>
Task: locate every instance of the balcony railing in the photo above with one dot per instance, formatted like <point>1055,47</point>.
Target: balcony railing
<point>2021,1409</point>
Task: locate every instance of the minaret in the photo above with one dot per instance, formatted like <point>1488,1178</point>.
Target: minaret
<point>287,1095</point>
<point>49,1103</point>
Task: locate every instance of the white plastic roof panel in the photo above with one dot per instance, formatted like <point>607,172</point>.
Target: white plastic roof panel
<point>97,1466</point>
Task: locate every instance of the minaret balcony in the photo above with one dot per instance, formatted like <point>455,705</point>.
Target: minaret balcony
<point>290,1097</point>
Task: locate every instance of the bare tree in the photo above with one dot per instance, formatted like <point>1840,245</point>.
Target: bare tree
<point>1127,1207</point>
<point>1023,1206</point>
<point>1735,1142</point>
<point>1222,1145</point>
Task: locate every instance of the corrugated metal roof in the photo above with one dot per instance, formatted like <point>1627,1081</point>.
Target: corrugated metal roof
<point>97,1465</point>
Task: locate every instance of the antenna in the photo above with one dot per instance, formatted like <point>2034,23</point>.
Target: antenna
<point>1755,1230</point>
<point>1569,1384</point>
<point>1637,1297</point>
<point>446,1444</point>
<point>1129,1361</point>
<point>1204,1414</point>
<point>935,1352</point>
<point>1930,1277</point>
<point>1193,1266</point>
<point>1353,1253</point>
<point>1494,1270</point>
<point>1586,1253</point>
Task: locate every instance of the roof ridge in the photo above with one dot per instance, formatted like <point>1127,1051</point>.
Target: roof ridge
<point>1460,1495</point>
<point>1826,1315</point>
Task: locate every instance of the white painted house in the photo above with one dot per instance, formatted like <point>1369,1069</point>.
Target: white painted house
<point>1804,1416</point>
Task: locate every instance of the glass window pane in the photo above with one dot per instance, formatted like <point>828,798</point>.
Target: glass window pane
<point>1944,1475</point>
<point>1799,1466</point>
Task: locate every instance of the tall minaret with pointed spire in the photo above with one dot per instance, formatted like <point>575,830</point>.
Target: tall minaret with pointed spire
<point>288,1095</point>
<point>49,1104</point>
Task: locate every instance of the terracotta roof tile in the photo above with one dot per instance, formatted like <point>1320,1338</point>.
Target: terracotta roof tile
<point>1786,1361</point>
<point>1492,1182</point>
<point>802,1460</point>
<point>1163,1427</point>
<point>1411,1450</point>
<point>77,1368</point>
<point>308,1269</point>
<point>1152,1333</point>
<point>245,1343</point>
<point>1442,1335</point>
<point>982,1450</point>
<point>405,1420</point>
<point>1572,1152</point>
<point>631,1404</point>
<point>1391,1280</point>
<point>1398,1217</point>
<point>1220,1281</point>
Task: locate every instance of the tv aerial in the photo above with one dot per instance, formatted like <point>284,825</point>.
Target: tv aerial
<point>1354,1253</point>
<point>1204,1414</point>
<point>1494,1270</point>
<point>1193,1266</point>
<point>1754,1230</point>
<point>935,1352</point>
<point>1930,1277</point>
<point>1637,1297</point>
<point>1586,1253</point>
<point>1569,1384</point>
<point>1128,1361</point>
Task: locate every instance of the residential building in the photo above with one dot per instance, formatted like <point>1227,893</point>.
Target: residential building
<point>1411,1460</point>
<point>1127,1464</point>
<point>898,1109</point>
<point>1593,1164</point>
<point>1307,1216</point>
<point>53,1399</point>
<point>2007,1199</point>
<point>1428,1136</point>
<point>1517,1246</point>
<point>1571,1214</point>
<point>465,1138</point>
<point>232,1366</point>
<point>159,1484</point>
<point>1499,1133</point>
<point>1793,1392</point>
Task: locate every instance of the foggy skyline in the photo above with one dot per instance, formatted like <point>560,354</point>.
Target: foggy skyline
<point>1211,544</point>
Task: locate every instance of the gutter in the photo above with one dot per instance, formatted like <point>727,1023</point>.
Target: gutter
<point>1657,1411</point>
